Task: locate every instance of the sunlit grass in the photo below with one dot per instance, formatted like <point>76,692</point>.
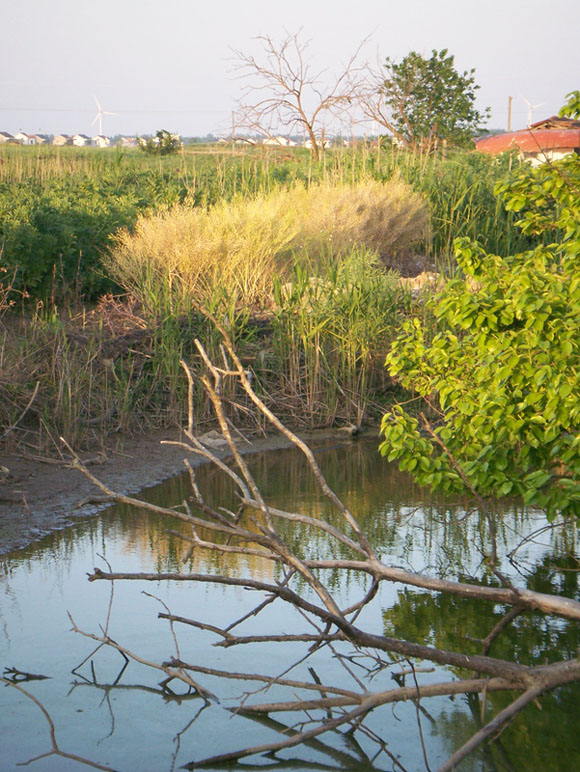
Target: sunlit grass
<point>240,247</point>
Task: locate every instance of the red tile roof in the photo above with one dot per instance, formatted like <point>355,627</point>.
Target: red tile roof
<point>530,141</point>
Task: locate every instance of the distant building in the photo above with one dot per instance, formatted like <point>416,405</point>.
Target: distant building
<point>280,141</point>
<point>6,137</point>
<point>62,139</point>
<point>325,144</point>
<point>128,142</point>
<point>547,140</point>
<point>25,139</point>
<point>101,141</point>
<point>81,140</point>
<point>41,139</point>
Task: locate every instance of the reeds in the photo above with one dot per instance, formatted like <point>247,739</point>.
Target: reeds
<point>238,248</point>
<point>268,232</point>
<point>332,331</point>
<point>60,206</point>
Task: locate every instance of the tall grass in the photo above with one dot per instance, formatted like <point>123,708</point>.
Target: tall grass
<point>59,207</point>
<point>225,229</point>
<point>332,331</point>
<point>240,247</point>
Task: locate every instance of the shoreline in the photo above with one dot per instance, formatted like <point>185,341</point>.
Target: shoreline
<point>39,497</point>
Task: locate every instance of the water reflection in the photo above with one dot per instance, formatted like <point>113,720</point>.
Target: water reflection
<point>132,723</point>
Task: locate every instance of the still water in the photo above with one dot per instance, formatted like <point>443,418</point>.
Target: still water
<point>126,721</point>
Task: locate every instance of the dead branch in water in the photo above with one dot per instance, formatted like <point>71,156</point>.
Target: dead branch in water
<point>253,530</point>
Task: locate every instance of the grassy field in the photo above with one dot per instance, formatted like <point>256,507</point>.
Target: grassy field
<point>297,258</point>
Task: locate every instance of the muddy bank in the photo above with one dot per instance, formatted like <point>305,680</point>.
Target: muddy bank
<point>38,497</point>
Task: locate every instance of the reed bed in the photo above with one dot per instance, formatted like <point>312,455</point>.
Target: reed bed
<point>289,254</point>
<point>60,207</point>
<point>240,247</point>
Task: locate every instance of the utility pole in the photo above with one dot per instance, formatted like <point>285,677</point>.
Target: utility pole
<point>510,100</point>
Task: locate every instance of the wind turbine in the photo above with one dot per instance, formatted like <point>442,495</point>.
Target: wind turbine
<point>530,108</point>
<point>99,116</point>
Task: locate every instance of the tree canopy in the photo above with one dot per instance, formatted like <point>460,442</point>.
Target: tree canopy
<point>163,143</point>
<point>499,382</point>
<point>429,100</point>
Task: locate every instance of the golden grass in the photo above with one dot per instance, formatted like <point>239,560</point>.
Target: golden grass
<point>238,247</point>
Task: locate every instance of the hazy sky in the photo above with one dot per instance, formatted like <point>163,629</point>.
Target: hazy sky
<point>167,63</point>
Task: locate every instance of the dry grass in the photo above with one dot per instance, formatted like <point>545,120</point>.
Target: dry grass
<point>237,248</point>
<point>386,218</point>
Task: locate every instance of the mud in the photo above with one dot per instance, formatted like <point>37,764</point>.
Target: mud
<point>41,496</point>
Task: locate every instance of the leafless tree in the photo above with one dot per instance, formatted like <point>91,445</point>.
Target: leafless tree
<point>283,91</point>
<point>253,531</point>
<point>373,101</point>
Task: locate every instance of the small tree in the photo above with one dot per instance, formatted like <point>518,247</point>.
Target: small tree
<point>423,101</point>
<point>163,143</point>
<point>290,94</point>
<point>500,381</point>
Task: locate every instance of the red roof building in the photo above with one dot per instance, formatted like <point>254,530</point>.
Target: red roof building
<point>547,140</point>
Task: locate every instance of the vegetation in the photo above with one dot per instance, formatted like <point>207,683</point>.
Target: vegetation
<point>240,247</point>
<point>163,143</point>
<point>59,207</point>
<point>429,101</point>
<point>78,223</point>
<point>500,380</point>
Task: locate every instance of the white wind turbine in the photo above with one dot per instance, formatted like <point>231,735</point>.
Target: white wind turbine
<point>99,116</point>
<point>530,108</point>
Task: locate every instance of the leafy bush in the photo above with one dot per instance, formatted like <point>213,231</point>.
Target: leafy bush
<point>54,230</point>
<point>501,379</point>
<point>163,143</point>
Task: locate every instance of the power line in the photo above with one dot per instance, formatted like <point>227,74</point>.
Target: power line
<point>123,112</point>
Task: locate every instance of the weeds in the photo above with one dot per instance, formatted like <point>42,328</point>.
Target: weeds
<point>291,254</point>
<point>240,247</point>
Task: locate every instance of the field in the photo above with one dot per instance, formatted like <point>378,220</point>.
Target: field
<point>104,251</point>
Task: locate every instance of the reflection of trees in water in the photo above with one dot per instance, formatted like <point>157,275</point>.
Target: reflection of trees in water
<point>540,739</point>
<point>436,534</point>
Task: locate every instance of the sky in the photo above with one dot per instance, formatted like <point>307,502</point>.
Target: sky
<point>170,63</point>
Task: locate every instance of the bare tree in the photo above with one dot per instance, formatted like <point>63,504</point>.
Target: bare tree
<point>283,91</point>
<point>374,102</point>
<point>252,530</point>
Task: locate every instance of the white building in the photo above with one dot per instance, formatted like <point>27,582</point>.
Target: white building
<point>81,140</point>
<point>62,139</point>
<point>25,139</point>
<point>279,141</point>
<point>101,141</point>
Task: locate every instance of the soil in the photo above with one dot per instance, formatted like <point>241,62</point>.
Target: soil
<point>38,496</point>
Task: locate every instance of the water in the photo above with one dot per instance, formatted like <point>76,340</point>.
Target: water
<point>124,720</point>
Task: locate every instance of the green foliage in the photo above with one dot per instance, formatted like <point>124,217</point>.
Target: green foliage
<point>55,227</point>
<point>572,107</point>
<point>430,101</point>
<point>163,143</point>
<point>332,327</point>
<point>60,206</point>
<point>500,381</point>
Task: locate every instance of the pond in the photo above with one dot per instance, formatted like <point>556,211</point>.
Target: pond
<point>123,719</point>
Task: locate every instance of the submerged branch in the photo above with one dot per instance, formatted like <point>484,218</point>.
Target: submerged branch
<point>329,623</point>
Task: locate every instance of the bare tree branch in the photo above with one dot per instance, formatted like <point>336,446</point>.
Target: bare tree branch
<point>253,531</point>
<point>293,97</point>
